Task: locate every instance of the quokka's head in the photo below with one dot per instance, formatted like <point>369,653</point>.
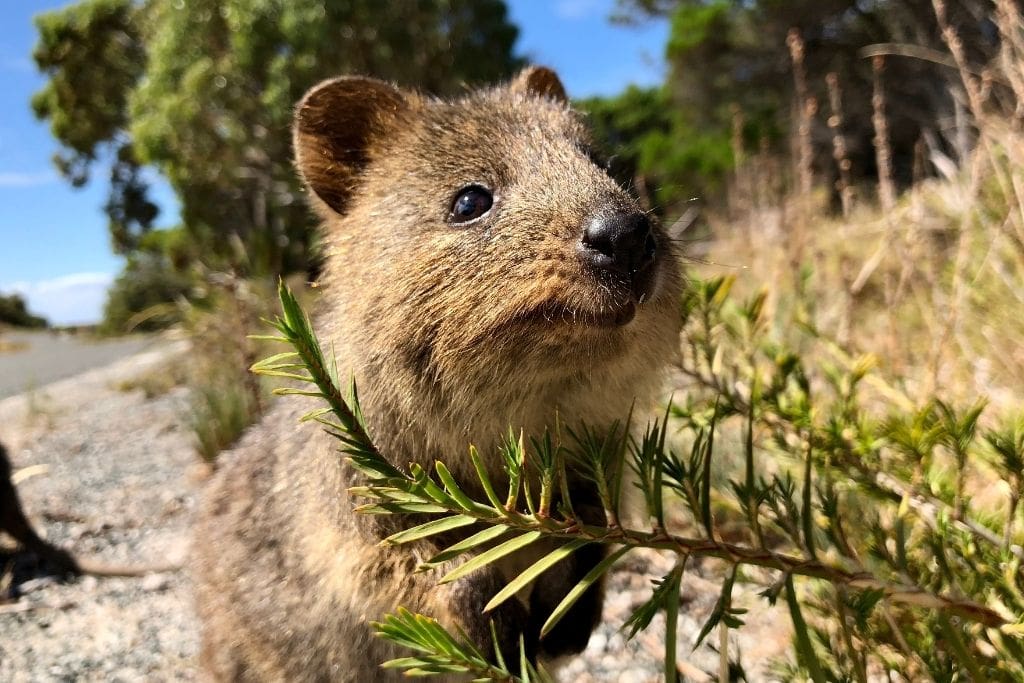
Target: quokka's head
<point>478,234</point>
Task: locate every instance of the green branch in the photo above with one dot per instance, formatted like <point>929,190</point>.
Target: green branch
<point>524,517</point>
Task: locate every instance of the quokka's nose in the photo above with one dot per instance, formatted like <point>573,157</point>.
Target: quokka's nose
<point>620,242</point>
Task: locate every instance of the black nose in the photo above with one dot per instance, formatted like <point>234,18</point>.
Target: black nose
<point>620,242</point>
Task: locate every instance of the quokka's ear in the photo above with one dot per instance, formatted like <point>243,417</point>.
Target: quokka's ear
<point>540,81</point>
<point>336,123</point>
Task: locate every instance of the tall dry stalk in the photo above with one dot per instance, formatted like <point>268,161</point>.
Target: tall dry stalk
<point>740,197</point>
<point>887,199</point>
<point>1011,31</point>
<point>805,108</point>
<point>845,189</point>
<point>956,48</point>
<point>1011,57</point>
<point>803,111</point>
<point>975,92</point>
<point>839,153</point>
<point>920,164</point>
<point>769,177</point>
<point>883,151</point>
<point>738,154</point>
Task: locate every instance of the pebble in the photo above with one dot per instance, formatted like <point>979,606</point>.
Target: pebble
<point>155,582</point>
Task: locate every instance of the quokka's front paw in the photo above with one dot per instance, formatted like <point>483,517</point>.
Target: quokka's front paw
<point>511,619</point>
<point>571,634</point>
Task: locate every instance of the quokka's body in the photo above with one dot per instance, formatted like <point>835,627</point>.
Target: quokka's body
<point>481,273</point>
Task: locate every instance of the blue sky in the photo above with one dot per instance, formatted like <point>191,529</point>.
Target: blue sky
<point>54,245</point>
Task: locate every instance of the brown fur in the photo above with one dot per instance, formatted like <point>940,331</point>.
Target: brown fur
<point>453,333</point>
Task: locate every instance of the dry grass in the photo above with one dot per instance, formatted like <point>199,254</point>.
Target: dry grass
<point>225,396</point>
<point>932,281</point>
<point>158,381</point>
<point>7,346</point>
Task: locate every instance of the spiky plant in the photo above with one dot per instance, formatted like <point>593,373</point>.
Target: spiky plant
<point>863,527</point>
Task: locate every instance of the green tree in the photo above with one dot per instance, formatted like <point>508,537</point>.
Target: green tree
<point>726,53</point>
<point>202,91</point>
<point>93,55</point>
<point>146,296</point>
<point>14,311</point>
<point>653,146</point>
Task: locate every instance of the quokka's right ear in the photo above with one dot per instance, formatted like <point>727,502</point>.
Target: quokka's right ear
<point>540,81</point>
<point>336,123</point>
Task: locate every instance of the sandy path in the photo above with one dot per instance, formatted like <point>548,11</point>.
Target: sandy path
<point>43,357</point>
<point>117,488</point>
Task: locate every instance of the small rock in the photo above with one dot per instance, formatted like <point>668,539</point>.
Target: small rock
<point>634,676</point>
<point>155,582</point>
<point>33,585</point>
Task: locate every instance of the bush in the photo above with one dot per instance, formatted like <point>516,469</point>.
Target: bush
<point>13,311</point>
<point>146,296</point>
<point>221,410</point>
<point>847,500</point>
<point>225,396</point>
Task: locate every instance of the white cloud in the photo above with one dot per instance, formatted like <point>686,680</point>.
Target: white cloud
<point>75,299</point>
<point>19,179</point>
<point>578,9</point>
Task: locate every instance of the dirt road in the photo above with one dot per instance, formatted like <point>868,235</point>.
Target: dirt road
<point>40,358</point>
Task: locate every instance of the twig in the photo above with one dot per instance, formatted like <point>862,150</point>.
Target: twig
<point>835,122</point>
<point>917,52</point>
<point>883,152</point>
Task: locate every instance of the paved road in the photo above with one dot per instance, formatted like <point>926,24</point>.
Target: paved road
<point>50,357</point>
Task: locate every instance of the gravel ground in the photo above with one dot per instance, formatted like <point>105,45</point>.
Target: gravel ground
<point>611,657</point>
<point>117,488</point>
<point>120,485</point>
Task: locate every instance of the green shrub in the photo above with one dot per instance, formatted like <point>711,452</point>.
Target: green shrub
<point>225,396</point>
<point>14,311</point>
<point>220,413</point>
<point>849,501</point>
<point>147,295</point>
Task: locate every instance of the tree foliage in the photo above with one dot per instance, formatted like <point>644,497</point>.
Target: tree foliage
<point>202,91</point>
<point>93,56</point>
<point>146,295</point>
<point>726,56</point>
<point>14,311</point>
<point>652,145</point>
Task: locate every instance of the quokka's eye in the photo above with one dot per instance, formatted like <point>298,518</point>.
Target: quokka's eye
<point>471,203</point>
